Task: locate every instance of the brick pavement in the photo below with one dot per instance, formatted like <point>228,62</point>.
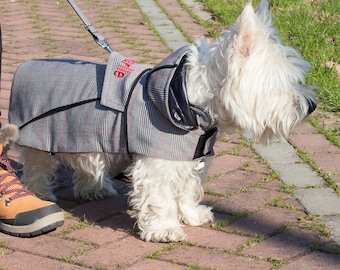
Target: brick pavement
<point>258,222</point>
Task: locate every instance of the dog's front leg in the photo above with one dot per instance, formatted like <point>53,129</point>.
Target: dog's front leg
<point>153,199</point>
<point>166,194</point>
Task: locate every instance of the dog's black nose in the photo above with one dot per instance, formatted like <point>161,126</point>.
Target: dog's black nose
<point>311,105</point>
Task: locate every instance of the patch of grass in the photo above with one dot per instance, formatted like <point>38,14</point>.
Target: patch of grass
<point>214,193</point>
<point>253,241</point>
<point>275,202</point>
<point>210,178</point>
<point>69,260</point>
<point>312,27</point>
<point>276,262</point>
<point>236,150</point>
<point>290,207</point>
<point>154,255</point>
<point>312,223</point>
<point>284,228</point>
<point>226,11</point>
<point>84,222</point>
<point>3,245</point>
<point>194,267</point>
<point>220,224</point>
<point>288,188</point>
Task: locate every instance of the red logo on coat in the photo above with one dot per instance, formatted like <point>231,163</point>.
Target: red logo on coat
<point>124,67</point>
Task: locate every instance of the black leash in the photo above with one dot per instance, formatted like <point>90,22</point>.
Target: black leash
<point>98,38</point>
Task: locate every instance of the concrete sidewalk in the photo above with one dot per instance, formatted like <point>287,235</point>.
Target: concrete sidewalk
<point>272,211</point>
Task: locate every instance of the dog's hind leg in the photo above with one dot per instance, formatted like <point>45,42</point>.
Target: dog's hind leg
<point>39,169</point>
<point>91,181</point>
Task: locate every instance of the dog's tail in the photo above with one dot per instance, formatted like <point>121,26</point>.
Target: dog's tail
<point>8,133</point>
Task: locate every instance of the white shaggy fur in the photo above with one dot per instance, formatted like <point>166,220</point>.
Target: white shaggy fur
<point>247,80</point>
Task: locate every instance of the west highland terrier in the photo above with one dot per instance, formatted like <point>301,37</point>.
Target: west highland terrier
<point>157,125</point>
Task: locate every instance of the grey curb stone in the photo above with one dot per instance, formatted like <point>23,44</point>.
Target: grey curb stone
<point>333,222</point>
<point>319,201</point>
<point>168,31</point>
<point>284,159</point>
<point>299,175</point>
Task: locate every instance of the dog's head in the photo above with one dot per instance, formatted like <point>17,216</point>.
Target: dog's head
<point>263,88</point>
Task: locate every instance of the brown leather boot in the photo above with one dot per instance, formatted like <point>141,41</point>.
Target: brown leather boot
<point>21,213</point>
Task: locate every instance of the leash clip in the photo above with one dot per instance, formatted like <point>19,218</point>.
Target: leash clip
<point>104,44</point>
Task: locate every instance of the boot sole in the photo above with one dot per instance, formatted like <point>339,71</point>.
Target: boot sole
<point>41,226</point>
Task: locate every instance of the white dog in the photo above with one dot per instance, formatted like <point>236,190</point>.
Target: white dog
<point>246,80</point>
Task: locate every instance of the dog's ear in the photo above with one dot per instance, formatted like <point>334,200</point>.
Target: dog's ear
<point>251,25</point>
<point>245,29</point>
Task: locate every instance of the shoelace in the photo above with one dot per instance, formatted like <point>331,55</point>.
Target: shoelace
<point>5,188</point>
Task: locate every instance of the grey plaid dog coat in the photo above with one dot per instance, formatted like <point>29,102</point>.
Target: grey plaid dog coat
<point>122,108</point>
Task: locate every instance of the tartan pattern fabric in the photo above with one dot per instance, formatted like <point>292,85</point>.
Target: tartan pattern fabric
<point>74,106</point>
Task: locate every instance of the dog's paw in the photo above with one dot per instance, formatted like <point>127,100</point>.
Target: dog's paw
<point>197,216</point>
<point>164,235</point>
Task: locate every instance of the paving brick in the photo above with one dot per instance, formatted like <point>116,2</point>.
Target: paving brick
<point>286,245</point>
<point>306,142</point>
<point>99,209</point>
<point>214,239</point>
<point>319,201</point>
<point>233,181</point>
<point>219,220</point>
<point>44,245</point>
<point>250,200</point>
<point>254,165</point>
<point>305,128</point>
<point>266,222</point>
<point>328,163</point>
<point>226,163</point>
<point>212,259</point>
<point>316,261</point>
<point>19,261</point>
<point>119,254</point>
<point>221,147</point>
<point>108,231</point>
<point>273,184</point>
<point>70,223</point>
